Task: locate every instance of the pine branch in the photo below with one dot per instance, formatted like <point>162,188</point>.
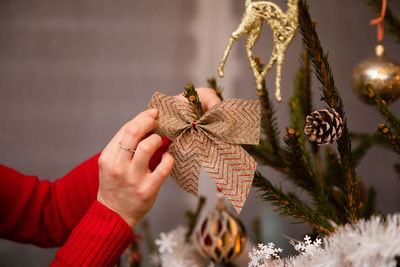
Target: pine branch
<point>368,208</point>
<point>300,103</point>
<point>392,139</point>
<point>263,154</point>
<point>383,108</point>
<point>289,206</point>
<point>333,171</point>
<point>268,151</point>
<point>319,60</point>
<point>304,76</point>
<point>212,83</point>
<point>300,106</point>
<point>332,98</point>
<point>352,182</point>
<point>193,217</point>
<point>268,121</point>
<point>194,100</point>
<point>379,139</point>
<point>334,183</point>
<point>303,174</point>
<point>148,236</point>
<point>392,23</point>
<point>297,105</point>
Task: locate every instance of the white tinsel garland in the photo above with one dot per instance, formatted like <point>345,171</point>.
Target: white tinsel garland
<point>375,242</point>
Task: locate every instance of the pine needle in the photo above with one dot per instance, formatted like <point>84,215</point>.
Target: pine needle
<point>194,100</point>
<point>368,208</point>
<point>288,205</point>
<point>383,108</point>
<point>392,139</point>
<point>268,122</point>
<point>302,173</point>
<point>212,83</point>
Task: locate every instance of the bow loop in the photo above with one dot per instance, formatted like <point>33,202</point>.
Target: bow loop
<point>236,121</point>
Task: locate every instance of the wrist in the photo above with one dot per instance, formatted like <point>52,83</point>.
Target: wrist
<point>131,222</point>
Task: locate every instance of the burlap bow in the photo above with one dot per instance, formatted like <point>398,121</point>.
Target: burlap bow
<point>212,142</point>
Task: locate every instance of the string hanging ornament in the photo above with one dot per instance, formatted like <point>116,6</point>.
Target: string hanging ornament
<point>220,235</point>
<point>283,26</point>
<point>379,71</point>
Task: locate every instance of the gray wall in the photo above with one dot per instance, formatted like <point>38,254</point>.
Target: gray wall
<point>72,72</point>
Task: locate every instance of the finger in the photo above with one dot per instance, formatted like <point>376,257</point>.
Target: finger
<point>212,101</point>
<point>156,158</point>
<point>180,97</point>
<point>160,174</point>
<point>112,148</point>
<point>208,97</point>
<point>134,131</point>
<point>145,151</point>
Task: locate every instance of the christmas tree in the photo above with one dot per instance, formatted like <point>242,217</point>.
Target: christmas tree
<point>326,173</point>
<point>332,183</point>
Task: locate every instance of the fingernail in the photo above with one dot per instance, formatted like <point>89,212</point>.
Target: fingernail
<point>153,112</point>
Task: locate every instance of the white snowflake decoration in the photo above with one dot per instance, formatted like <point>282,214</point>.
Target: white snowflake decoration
<point>260,257</point>
<point>175,252</point>
<point>367,243</point>
<point>166,243</point>
<point>307,247</point>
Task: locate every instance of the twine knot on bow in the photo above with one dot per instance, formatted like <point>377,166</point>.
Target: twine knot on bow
<point>212,142</point>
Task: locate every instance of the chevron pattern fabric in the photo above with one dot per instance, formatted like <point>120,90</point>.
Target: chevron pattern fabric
<point>212,142</point>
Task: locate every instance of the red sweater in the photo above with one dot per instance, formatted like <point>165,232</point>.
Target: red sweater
<point>64,213</point>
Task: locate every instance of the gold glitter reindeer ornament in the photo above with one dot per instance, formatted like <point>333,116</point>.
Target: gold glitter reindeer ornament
<point>283,26</point>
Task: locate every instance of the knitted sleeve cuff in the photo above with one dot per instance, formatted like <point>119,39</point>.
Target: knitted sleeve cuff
<point>98,240</point>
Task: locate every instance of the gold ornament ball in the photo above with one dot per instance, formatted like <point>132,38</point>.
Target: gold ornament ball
<point>220,236</point>
<point>379,71</point>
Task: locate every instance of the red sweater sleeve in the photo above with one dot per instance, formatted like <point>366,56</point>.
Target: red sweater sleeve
<point>99,239</point>
<point>41,212</point>
<point>45,213</point>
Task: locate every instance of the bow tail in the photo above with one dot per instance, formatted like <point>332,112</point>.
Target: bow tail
<point>231,168</point>
<point>187,167</point>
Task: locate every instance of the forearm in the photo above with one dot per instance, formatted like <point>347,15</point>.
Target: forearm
<point>41,212</point>
<point>98,240</point>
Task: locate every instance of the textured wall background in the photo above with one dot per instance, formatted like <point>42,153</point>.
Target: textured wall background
<point>72,72</point>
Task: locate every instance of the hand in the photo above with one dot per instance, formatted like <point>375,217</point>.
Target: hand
<point>208,97</point>
<point>126,184</point>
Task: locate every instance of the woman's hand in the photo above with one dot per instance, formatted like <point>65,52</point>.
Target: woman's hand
<point>126,184</point>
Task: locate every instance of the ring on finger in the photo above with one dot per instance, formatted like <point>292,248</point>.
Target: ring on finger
<point>127,149</point>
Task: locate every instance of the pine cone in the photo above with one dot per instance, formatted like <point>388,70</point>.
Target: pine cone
<point>324,126</point>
